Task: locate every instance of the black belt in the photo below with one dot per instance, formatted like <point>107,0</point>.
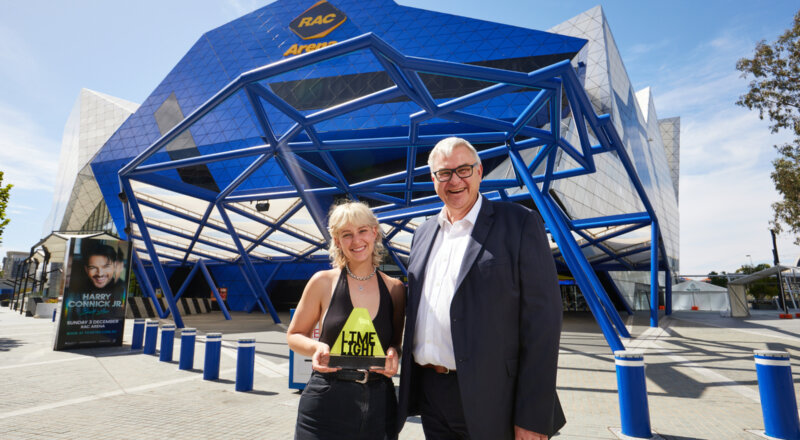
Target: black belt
<point>360,376</point>
<point>438,368</point>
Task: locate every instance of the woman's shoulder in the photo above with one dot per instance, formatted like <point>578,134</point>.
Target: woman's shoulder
<point>323,279</point>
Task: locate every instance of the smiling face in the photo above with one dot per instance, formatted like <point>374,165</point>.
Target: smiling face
<point>357,242</point>
<point>458,194</point>
<point>100,270</point>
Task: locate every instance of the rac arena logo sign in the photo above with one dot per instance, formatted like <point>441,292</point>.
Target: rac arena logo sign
<point>316,22</point>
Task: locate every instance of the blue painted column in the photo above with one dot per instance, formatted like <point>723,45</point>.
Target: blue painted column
<point>245,364</point>
<point>138,334</point>
<point>653,274</point>
<point>167,342</point>
<point>213,350</point>
<point>776,388</point>
<point>632,389</point>
<point>186,361</point>
<point>668,292</point>
<point>150,337</point>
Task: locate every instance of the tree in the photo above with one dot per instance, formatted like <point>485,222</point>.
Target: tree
<point>764,288</point>
<point>4,193</point>
<point>775,93</point>
<point>717,280</point>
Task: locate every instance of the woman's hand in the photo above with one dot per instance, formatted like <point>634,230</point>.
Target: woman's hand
<point>320,359</point>
<point>390,367</point>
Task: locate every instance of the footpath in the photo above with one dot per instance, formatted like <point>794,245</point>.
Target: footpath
<point>701,381</point>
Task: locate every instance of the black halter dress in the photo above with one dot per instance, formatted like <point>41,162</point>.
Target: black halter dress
<point>334,406</point>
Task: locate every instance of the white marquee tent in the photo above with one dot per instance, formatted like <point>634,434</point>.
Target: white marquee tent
<point>704,296</point>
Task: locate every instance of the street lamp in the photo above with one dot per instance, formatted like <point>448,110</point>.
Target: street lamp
<point>751,260</point>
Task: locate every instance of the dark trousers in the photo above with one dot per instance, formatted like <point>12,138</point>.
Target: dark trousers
<point>334,409</point>
<point>440,406</point>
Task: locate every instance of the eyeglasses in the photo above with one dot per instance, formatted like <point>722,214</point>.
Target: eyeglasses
<point>445,174</point>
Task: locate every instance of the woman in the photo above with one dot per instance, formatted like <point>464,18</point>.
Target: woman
<point>340,403</point>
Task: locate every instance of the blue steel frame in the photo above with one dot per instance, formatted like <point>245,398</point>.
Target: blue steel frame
<point>550,83</point>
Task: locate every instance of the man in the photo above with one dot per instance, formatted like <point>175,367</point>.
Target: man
<point>483,315</point>
<point>102,266</point>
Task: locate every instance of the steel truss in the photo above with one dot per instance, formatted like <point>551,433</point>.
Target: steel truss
<point>400,197</point>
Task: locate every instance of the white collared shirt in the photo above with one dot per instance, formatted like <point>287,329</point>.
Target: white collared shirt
<point>433,342</point>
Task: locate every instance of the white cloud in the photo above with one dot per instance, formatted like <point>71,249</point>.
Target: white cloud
<point>27,157</point>
<point>726,152</point>
<point>733,138</point>
<point>19,209</point>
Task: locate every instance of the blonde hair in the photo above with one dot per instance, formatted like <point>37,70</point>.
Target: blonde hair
<point>356,214</point>
<point>445,148</point>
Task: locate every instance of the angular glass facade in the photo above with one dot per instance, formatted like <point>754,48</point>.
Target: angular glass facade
<point>188,227</point>
<point>78,204</point>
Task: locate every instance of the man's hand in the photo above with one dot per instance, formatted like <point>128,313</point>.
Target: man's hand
<point>524,434</point>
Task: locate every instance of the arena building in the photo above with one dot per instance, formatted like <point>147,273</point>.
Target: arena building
<point>234,159</point>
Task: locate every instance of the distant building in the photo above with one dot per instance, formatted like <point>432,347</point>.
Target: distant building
<point>11,263</point>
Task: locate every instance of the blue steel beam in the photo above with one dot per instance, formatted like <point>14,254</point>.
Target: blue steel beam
<point>210,281</point>
<point>176,186</point>
<point>668,291</point>
<point>562,237</point>
<point>200,160</point>
<point>220,229</point>
<point>144,281</point>
<point>276,226</point>
<point>618,293</point>
<point>266,222</point>
<point>200,227</point>
<point>592,241</point>
<point>654,275</point>
<point>188,280</point>
<point>253,289</point>
<point>579,261</point>
<point>151,250</point>
<point>250,269</point>
<point>603,248</point>
<point>640,218</point>
<point>178,248</point>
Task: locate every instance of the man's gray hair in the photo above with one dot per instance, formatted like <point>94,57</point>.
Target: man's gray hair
<point>445,148</point>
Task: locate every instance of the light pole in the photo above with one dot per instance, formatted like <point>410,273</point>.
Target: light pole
<point>751,260</point>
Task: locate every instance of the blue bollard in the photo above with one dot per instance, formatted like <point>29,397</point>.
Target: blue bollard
<point>167,342</point>
<point>245,364</point>
<point>632,389</point>
<point>213,349</point>
<point>186,361</point>
<point>150,337</point>
<point>776,388</point>
<point>138,334</point>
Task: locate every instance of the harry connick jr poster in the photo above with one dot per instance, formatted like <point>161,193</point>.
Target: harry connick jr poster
<point>95,293</point>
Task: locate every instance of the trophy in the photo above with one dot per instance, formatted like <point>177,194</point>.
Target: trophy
<point>358,346</point>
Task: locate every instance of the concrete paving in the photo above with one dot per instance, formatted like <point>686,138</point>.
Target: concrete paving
<point>701,381</point>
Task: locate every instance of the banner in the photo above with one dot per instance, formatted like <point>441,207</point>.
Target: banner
<point>92,313</point>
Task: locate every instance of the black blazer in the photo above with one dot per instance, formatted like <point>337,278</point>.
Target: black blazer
<point>505,323</point>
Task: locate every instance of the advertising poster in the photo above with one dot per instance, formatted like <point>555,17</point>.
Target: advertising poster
<point>93,309</point>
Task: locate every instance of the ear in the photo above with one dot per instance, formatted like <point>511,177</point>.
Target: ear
<point>479,170</point>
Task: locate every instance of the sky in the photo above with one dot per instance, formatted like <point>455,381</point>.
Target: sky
<point>686,51</point>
